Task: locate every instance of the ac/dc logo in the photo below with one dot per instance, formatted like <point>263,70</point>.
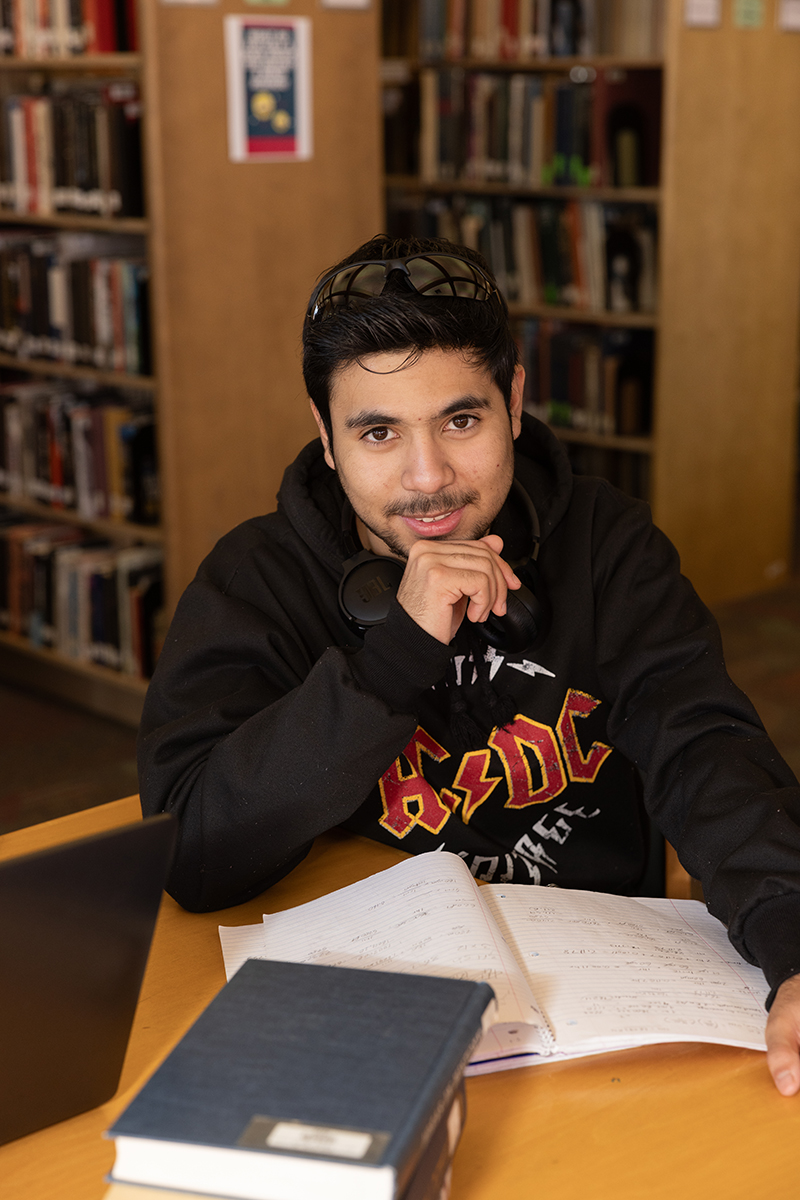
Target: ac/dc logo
<point>409,799</point>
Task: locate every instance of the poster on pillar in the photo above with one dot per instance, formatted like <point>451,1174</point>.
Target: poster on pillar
<point>268,69</point>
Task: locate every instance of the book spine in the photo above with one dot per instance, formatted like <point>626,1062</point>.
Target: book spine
<point>432,1176</point>
<point>90,39</point>
<point>442,1084</point>
<point>105,15</point>
<point>19,154</point>
<point>509,30</point>
<point>43,139</point>
<point>6,27</point>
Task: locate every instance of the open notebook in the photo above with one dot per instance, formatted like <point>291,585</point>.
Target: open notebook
<point>574,972</point>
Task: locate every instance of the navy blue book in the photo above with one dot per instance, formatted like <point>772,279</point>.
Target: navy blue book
<point>300,1081</point>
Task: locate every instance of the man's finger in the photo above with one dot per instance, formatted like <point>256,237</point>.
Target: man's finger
<point>783,1038</point>
<point>495,544</point>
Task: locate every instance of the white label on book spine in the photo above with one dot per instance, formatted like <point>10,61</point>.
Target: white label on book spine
<point>702,14</point>
<point>318,1139</point>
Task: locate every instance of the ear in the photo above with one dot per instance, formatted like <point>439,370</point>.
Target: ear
<point>323,433</point>
<point>515,403</point>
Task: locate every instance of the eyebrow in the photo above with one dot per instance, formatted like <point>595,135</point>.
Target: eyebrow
<point>368,419</point>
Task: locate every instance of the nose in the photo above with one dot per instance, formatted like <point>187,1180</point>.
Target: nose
<point>427,468</point>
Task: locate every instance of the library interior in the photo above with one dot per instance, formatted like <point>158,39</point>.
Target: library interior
<point>630,169</point>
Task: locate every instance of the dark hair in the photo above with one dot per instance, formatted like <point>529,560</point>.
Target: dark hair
<point>401,319</point>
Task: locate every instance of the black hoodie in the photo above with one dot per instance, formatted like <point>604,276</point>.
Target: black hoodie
<point>268,721</point>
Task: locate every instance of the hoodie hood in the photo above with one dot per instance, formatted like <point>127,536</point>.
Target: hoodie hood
<point>311,498</point>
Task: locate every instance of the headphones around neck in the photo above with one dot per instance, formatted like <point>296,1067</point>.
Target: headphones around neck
<point>370,582</point>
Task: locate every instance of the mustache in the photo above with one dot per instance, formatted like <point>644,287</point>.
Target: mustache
<point>425,506</point>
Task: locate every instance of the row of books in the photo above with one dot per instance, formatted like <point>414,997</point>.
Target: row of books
<point>63,589</point>
<point>63,28</point>
<point>85,449</point>
<point>521,30</point>
<point>75,297</point>
<point>588,379</point>
<point>75,149</point>
<point>528,130</point>
<point>581,253</point>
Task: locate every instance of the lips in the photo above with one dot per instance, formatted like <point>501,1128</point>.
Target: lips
<point>436,525</point>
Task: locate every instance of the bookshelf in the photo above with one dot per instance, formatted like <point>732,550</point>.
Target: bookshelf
<point>111,692</point>
<point>233,250</point>
<point>717,460</point>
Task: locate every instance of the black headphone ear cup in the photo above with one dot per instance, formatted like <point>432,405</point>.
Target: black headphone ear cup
<point>367,588</point>
<point>518,629</point>
<point>527,619</point>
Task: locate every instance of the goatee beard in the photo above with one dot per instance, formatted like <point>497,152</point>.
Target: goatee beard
<point>423,506</point>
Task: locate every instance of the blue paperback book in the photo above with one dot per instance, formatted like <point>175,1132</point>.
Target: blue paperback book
<point>300,1081</point>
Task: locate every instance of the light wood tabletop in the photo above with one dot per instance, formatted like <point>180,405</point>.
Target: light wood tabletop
<point>659,1122</point>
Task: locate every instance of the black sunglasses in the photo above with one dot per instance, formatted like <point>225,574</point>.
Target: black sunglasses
<point>427,274</point>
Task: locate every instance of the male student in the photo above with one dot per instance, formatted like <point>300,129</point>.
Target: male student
<point>417,699</point>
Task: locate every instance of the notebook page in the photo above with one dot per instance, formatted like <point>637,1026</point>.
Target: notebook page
<point>240,942</point>
<point>611,971</point>
<point>423,916</point>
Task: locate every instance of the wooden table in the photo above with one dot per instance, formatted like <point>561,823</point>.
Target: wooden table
<point>672,1121</point>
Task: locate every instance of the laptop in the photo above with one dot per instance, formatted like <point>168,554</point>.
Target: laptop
<point>76,923</point>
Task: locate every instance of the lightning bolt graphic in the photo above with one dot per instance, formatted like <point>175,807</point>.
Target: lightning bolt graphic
<point>472,780</point>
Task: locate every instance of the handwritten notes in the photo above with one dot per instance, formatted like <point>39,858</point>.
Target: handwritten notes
<point>573,972</point>
<point>424,916</point>
<point>611,971</point>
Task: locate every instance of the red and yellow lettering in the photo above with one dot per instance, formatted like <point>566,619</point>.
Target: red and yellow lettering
<point>540,738</point>
<point>472,779</point>
<point>582,767</point>
<point>399,790</point>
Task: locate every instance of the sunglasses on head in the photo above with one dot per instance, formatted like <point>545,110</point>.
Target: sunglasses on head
<point>427,274</point>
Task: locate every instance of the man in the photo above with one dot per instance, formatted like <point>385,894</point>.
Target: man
<point>529,736</point>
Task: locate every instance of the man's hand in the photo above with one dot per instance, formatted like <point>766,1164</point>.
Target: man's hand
<point>443,581</point>
<point>783,1037</point>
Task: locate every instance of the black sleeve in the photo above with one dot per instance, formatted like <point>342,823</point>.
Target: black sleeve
<point>257,748</point>
<point>713,781</point>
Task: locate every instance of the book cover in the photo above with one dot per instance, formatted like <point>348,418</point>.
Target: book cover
<point>430,1181</point>
<point>300,1080</point>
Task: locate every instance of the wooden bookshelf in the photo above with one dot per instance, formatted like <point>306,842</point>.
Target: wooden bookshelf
<point>69,220</point>
<point>65,370</point>
<point>234,250</point>
<point>618,195</point>
<point>87,64</point>
<point>104,691</point>
<point>606,441</point>
<point>723,448</point>
<point>124,532</point>
<point>587,316</point>
<point>393,69</point>
<point>725,459</point>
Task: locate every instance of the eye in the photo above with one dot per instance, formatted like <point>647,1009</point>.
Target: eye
<point>463,421</point>
<point>381,433</point>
